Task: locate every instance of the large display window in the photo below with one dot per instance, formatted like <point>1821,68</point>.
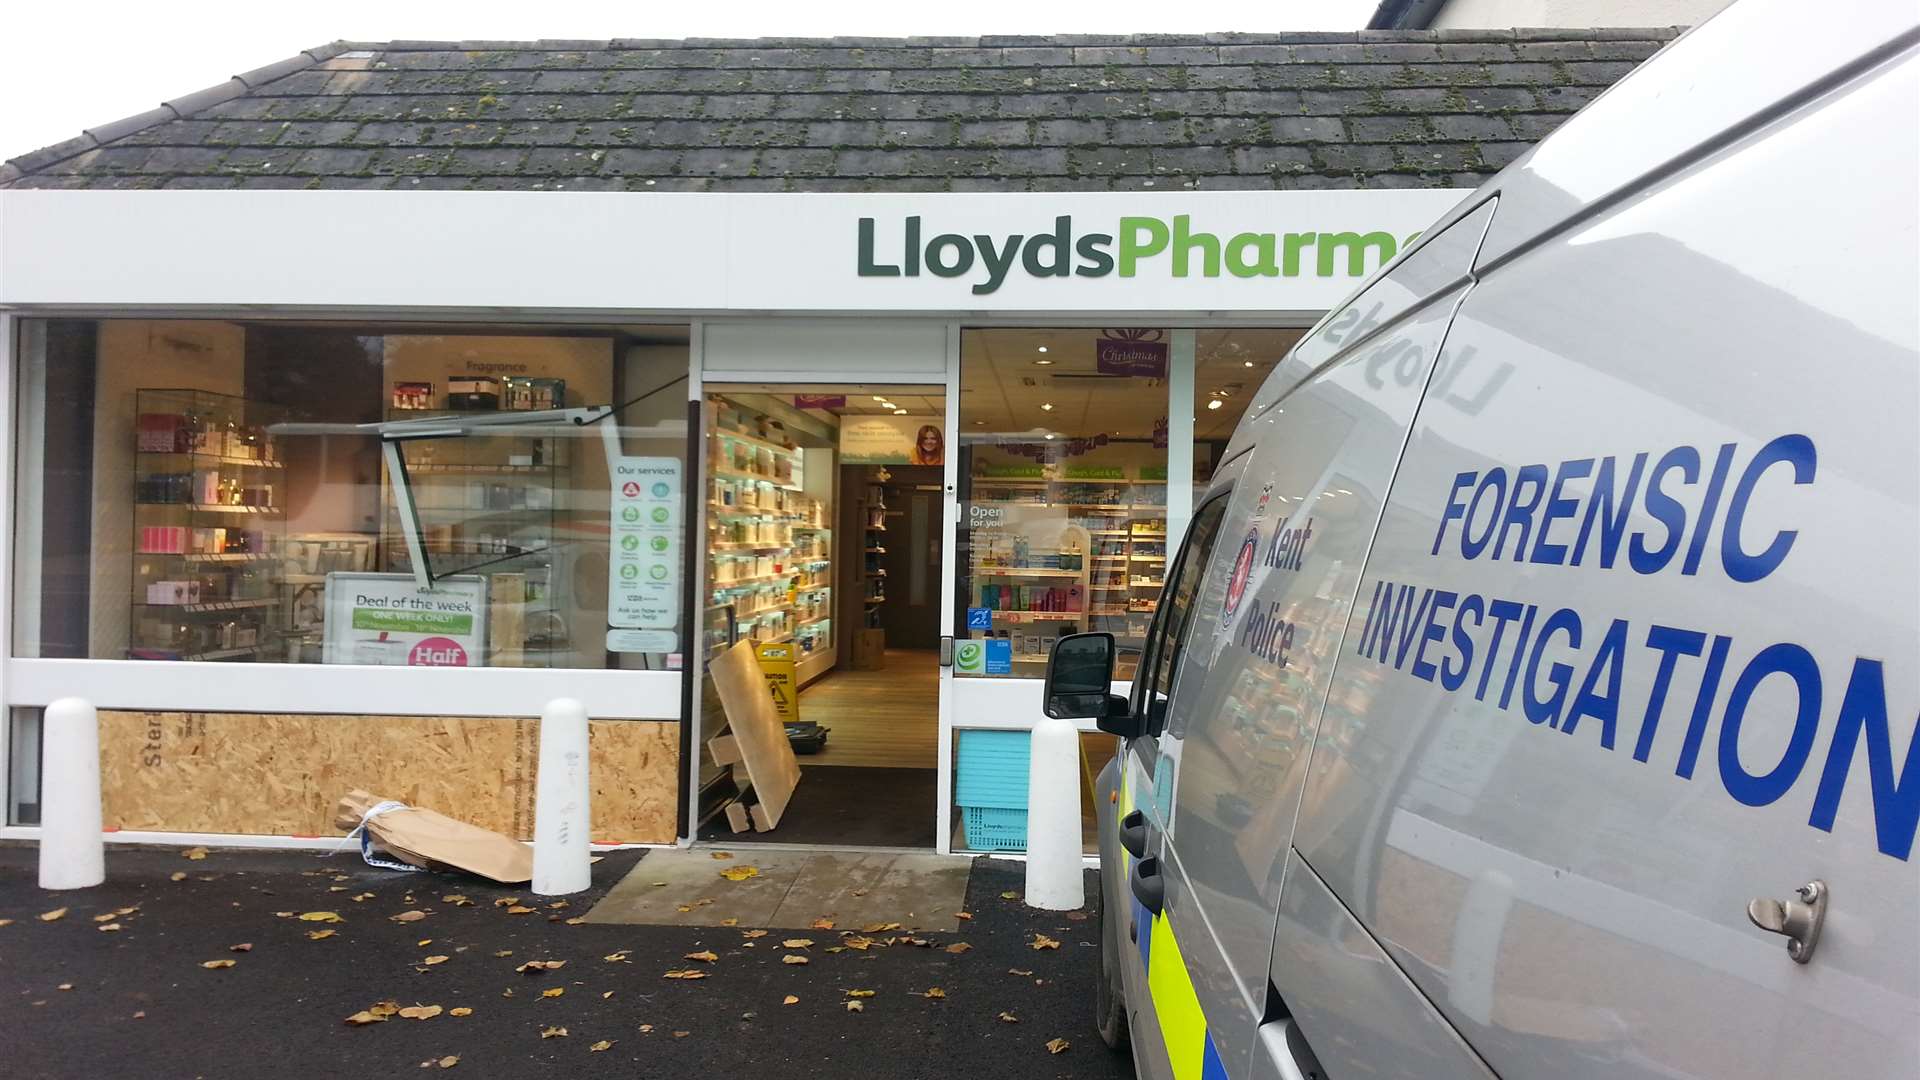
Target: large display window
<point>232,492</point>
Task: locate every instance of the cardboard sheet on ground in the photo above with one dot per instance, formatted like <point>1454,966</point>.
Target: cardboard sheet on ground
<point>428,839</point>
<point>754,723</point>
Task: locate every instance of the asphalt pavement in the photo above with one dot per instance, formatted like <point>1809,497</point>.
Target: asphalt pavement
<point>156,997</point>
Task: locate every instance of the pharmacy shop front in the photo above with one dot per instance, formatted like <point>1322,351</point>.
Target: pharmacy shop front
<point>315,491</point>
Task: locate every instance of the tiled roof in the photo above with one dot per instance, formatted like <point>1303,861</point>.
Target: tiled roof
<point>1069,113</point>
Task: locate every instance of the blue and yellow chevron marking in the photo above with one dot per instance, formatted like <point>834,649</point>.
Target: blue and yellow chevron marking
<point>1183,1026</point>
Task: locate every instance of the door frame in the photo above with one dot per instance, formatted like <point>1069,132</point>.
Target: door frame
<point>946,375</point>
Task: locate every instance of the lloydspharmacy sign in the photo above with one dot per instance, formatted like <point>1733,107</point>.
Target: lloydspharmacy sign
<point>1129,246</point>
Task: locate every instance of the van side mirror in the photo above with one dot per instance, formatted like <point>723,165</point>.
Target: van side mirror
<point>1080,683</point>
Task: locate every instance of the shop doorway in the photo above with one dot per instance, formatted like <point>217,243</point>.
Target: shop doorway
<point>824,518</point>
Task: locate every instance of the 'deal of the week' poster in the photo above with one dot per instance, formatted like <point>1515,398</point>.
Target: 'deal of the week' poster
<point>388,620</point>
<point>892,440</point>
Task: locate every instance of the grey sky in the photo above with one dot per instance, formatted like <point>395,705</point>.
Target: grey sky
<point>74,65</point>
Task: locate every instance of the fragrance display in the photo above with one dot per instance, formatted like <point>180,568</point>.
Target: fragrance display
<point>208,484</point>
<point>770,549</point>
<point>1103,572</point>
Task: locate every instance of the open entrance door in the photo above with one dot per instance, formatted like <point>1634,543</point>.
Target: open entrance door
<point>825,519</point>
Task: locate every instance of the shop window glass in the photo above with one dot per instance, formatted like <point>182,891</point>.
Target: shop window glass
<point>261,492</point>
<point>1229,367</point>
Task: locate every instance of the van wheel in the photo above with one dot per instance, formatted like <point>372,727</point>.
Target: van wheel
<point>1109,999</point>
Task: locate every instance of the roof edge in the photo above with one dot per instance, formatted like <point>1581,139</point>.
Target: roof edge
<point>177,109</point>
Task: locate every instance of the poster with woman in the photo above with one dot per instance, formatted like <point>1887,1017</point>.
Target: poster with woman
<point>892,440</point>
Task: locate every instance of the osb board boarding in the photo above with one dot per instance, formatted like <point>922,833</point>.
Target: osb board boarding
<point>756,728</point>
<point>281,775</point>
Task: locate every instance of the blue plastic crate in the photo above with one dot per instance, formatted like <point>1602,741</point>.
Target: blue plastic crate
<point>992,770</point>
<point>994,828</point>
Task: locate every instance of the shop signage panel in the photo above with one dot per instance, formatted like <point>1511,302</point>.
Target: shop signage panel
<point>892,440</point>
<point>1219,251</point>
<point>388,620</point>
<point>643,579</point>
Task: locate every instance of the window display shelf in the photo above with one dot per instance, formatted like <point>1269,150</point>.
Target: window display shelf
<point>433,468</point>
<point>216,605</point>
<point>214,508</point>
<point>216,459</point>
<point>752,440</point>
<point>725,473</point>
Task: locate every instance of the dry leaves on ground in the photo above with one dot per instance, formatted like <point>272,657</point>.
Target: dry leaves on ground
<point>823,924</point>
<point>245,946</point>
<point>537,966</point>
<point>1057,1046</point>
<point>879,927</point>
<point>107,928</point>
<point>554,1033</point>
<point>457,900</point>
<point>796,943</point>
<point>963,915</point>
<point>793,958</point>
<point>194,853</point>
<point>1018,971</point>
<point>553,991</point>
<point>751,934</point>
<point>934,993</point>
<point>619,957</point>
<point>520,909</point>
<point>421,1012</point>
<point>729,922</point>
<point>723,854</point>
<point>449,1061</point>
<point>321,916</point>
<point>366,1016</point>
<point>706,956</point>
<point>1009,1018</point>
<point>461,1011</point>
<point>958,947</point>
<point>685,973</point>
<point>211,965</point>
<point>603,1044</point>
<point>320,935</point>
<point>414,915</point>
<point>790,1000</point>
<point>1009,895</point>
<point>855,1006</point>
<point>1042,941</point>
<point>859,993</point>
<point>740,873</point>
<point>432,960</point>
<point>53,916</point>
<point>177,875</point>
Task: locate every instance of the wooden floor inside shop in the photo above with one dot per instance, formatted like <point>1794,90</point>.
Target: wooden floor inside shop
<point>886,719</point>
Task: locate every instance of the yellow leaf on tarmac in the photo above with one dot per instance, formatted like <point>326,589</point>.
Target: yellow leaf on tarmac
<point>421,1012</point>
<point>793,958</point>
<point>705,956</point>
<point>740,873</point>
<point>790,1000</point>
<point>554,1033</point>
<point>53,916</point>
<point>194,853</point>
<point>461,1011</point>
<point>321,916</point>
<point>366,1017</point>
<point>603,1044</point>
<point>1057,1046</point>
<point>553,991</point>
<point>796,943</point>
<point>320,935</point>
<point>214,964</point>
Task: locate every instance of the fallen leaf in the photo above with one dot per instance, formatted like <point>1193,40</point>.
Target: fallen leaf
<point>1042,941</point>
<point>366,1017</point>
<point>645,1028</point>
<point>729,922</point>
<point>576,920</point>
<point>751,934</point>
<point>449,1061</point>
<point>108,917</point>
<point>385,1008</point>
<point>432,960</point>
<point>859,892</point>
<point>106,928</point>
<point>686,907</point>
<point>421,1012</point>
<point>423,942</point>
<point>414,915</point>
<point>553,991</point>
<point>336,888</point>
<point>64,986</point>
<point>321,916</point>
<point>934,992</point>
<point>705,956</point>
<point>618,957</point>
<point>793,958</point>
<point>460,1011</point>
<point>211,964</point>
<point>659,884</point>
<point>603,1044</point>
<point>796,943</point>
<point>541,965</point>
<point>860,943</point>
<point>1009,1018</point>
<point>681,1034</point>
<point>1017,971</point>
<point>723,854</point>
<point>508,992</point>
<point>554,1033</point>
<point>854,1006</point>
<point>859,993</point>
<point>194,853</point>
<point>506,901</point>
<point>963,914</point>
<point>519,909</point>
<point>879,928</point>
<point>789,1000</point>
<point>559,905</point>
<point>320,935</point>
<point>140,1015</point>
<point>361,898</point>
<point>703,901</point>
<point>823,924</point>
<point>245,946</point>
<point>740,873</point>
<point>457,900</point>
<point>836,948</point>
<point>606,995</point>
<point>177,875</point>
<point>958,947</point>
<point>686,973</point>
<point>1057,1046</point>
<point>53,916</point>
<point>1009,895</point>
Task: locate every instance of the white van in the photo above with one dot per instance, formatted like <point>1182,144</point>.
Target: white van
<point>1535,691</point>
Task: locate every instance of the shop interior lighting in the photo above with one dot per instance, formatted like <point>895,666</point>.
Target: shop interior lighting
<point>1214,404</point>
<point>1042,348</point>
<point>877,397</point>
<point>1043,363</point>
<point>1046,406</point>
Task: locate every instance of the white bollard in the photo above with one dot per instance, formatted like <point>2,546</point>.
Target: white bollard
<point>1054,880</point>
<point>561,807</point>
<point>72,851</point>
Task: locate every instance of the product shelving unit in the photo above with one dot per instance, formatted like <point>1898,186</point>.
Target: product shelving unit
<point>206,580</point>
<point>873,547</point>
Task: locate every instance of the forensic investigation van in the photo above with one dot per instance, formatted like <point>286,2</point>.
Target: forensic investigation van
<point>1566,729</point>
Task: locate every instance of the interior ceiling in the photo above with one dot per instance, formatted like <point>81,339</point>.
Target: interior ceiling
<point>1007,377</point>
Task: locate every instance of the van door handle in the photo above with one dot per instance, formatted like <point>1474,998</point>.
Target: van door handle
<point>1133,834</point>
<point>1148,886</point>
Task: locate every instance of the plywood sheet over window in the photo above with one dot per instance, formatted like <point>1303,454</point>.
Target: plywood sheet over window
<point>275,774</point>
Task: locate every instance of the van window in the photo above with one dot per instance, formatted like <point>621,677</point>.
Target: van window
<point>1171,625</point>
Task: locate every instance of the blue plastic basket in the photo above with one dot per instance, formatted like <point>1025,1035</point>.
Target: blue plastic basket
<point>994,828</point>
<point>992,770</point>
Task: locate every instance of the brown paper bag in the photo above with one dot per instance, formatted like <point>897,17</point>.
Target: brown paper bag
<point>425,838</point>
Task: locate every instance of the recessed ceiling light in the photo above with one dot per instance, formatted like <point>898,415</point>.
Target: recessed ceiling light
<point>1249,363</point>
<point>1046,406</point>
<point>979,423</point>
<point>899,412</point>
<point>877,397</point>
<point>1214,404</point>
<point>1043,348</point>
<point>1049,436</point>
<point>1043,363</point>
